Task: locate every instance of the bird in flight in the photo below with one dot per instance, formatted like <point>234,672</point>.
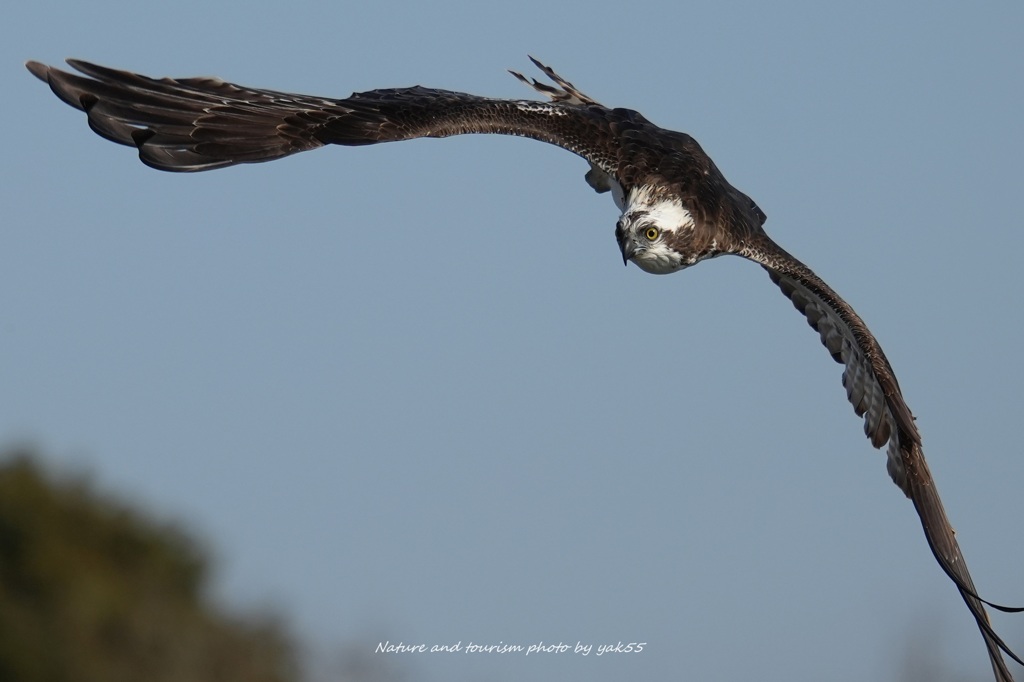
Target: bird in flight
<point>677,209</point>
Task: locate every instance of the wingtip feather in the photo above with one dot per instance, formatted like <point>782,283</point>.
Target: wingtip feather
<point>38,69</point>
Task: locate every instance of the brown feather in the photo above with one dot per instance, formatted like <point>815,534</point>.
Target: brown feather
<point>875,394</point>
<point>195,124</point>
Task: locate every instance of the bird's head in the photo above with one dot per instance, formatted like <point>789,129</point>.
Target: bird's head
<point>656,235</point>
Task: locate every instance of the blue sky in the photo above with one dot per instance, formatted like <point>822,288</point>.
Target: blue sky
<point>409,392</point>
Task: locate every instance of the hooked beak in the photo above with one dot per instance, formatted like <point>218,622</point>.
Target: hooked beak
<point>629,249</point>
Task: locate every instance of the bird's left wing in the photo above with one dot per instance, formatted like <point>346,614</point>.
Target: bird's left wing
<point>194,124</point>
<point>872,388</point>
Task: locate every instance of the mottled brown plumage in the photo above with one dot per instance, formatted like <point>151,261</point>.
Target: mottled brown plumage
<point>196,124</point>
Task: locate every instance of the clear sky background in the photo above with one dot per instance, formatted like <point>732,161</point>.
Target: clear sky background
<point>409,392</point>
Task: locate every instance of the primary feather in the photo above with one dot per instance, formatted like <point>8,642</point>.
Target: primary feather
<point>677,210</point>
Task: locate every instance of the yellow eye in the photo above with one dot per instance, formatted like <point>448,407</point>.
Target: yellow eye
<point>651,233</point>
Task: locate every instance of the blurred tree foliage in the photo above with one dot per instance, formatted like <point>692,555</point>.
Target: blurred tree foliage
<point>92,590</point>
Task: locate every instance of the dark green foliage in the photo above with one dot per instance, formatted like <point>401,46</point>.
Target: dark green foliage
<point>94,591</point>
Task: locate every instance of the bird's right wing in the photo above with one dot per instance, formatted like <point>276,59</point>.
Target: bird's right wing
<point>194,124</point>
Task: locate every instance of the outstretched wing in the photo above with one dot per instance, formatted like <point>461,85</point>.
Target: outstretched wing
<point>875,394</point>
<point>194,124</point>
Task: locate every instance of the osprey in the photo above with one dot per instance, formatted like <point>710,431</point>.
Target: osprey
<point>677,210</point>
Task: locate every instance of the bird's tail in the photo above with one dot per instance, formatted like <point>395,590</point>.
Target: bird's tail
<point>562,91</point>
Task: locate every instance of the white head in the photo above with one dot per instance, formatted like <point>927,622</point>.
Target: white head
<point>653,232</point>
